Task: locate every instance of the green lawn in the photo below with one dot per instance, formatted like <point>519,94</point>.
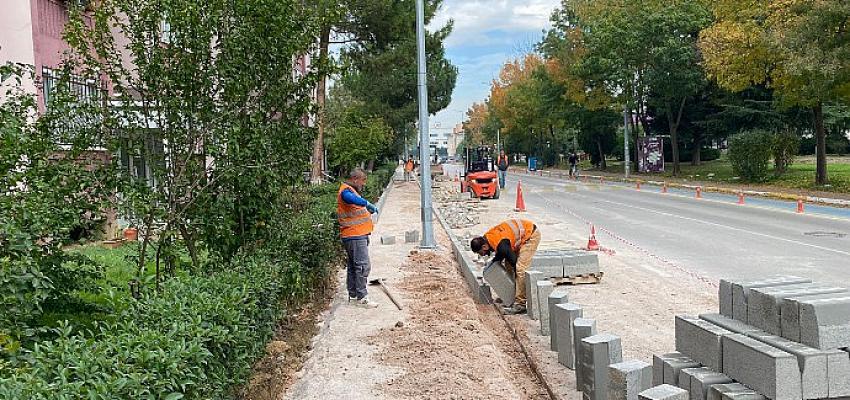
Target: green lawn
<point>800,176</point>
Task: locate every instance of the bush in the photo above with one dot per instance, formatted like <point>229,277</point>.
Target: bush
<point>786,145</point>
<point>749,154</point>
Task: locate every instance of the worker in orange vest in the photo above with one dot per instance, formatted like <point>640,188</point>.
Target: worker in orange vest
<point>502,164</point>
<point>355,225</point>
<point>408,169</point>
<point>514,242</point>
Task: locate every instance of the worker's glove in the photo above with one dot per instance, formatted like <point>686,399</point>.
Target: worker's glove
<point>372,209</point>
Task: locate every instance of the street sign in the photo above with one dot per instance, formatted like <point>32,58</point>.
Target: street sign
<point>651,154</point>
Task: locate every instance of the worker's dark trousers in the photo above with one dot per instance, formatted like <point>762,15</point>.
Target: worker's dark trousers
<point>358,266</point>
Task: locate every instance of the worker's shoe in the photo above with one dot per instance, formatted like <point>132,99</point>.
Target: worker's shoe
<point>514,309</point>
<point>352,299</point>
<point>366,303</point>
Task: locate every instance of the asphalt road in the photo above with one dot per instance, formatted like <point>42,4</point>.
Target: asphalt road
<point>712,237</point>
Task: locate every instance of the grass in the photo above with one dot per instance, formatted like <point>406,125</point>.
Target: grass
<point>800,176</point>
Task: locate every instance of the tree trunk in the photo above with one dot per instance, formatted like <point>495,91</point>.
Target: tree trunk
<point>821,177</point>
<point>674,121</point>
<point>319,145</point>
<point>602,164</point>
<point>190,245</point>
<point>697,155</point>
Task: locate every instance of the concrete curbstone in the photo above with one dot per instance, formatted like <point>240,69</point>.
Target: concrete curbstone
<point>582,328</point>
<point>502,282</point>
<point>559,296</point>
<point>697,381</point>
<point>764,304</point>
<point>790,314</point>
<point>825,323</point>
<point>732,391</point>
<point>762,367</point>
<point>725,297</point>
<point>544,289</point>
<point>411,236</point>
<point>728,323</point>
<point>741,290</point>
<point>838,368</point>
<point>564,315</point>
<point>666,367</point>
<point>812,363</point>
<point>700,340</point>
<point>627,379</point>
<point>664,392</point>
<point>531,278</point>
<point>387,240</point>
<point>597,354</point>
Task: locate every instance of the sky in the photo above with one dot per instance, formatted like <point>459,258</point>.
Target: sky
<point>487,33</point>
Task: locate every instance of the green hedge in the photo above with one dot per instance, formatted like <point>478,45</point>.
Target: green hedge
<point>197,337</point>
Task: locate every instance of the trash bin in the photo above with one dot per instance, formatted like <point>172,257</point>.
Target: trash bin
<point>532,163</point>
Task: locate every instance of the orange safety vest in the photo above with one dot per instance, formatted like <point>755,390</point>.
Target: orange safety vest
<point>353,220</point>
<point>408,166</point>
<point>517,231</point>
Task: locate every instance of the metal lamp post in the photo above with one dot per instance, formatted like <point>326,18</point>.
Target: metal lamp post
<point>424,153</point>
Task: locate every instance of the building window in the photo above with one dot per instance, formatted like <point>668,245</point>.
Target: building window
<point>84,90</point>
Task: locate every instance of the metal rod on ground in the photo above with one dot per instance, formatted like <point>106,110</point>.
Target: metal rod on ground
<point>424,147</point>
<point>386,291</point>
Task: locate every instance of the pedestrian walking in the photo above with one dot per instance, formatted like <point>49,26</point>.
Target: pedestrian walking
<point>502,165</point>
<point>573,164</point>
<point>514,242</point>
<point>355,226</point>
<point>408,169</point>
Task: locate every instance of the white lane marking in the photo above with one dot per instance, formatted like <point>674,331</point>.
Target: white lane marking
<point>797,242</point>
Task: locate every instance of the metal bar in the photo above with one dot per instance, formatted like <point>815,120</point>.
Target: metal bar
<point>424,147</point>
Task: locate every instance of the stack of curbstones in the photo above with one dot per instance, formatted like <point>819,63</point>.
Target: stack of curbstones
<point>782,338</point>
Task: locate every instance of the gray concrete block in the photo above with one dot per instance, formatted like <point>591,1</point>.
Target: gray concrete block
<point>700,340</point>
<point>697,381</point>
<point>745,395</point>
<point>580,262</point>
<point>825,323</point>
<point>550,264</point>
<point>597,354</point>
<point>531,278</point>
<point>716,392</point>
<point>728,323</point>
<point>558,296</point>
<point>582,328</point>
<point>411,237</point>
<point>764,368</point>
<point>666,368</point>
<point>725,297</point>
<point>664,392</point>
<point>501,281</point>
<point>741,290</point>
<point>812,363</point>
<point>627,379</point>
<point>544,289</point>
<point>387,239</point>
<point>764,304</point>
<point>838,368</point>
<point>564,315</point>
<point>790,313</point>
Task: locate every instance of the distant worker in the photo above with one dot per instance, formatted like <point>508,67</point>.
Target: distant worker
<point>573,164</point>
<point>503,164</point>
<point>514,241</point>
<point>355,225</point>
<point>409,166</point>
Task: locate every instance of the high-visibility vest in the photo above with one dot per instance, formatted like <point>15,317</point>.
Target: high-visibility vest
<point>517,231</point>
<point>408,166</point>
<point>353,220</point>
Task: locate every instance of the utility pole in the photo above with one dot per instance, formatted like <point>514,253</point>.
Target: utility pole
<point>498,140</point>
<point>424,148</point>
<point>626,154</point>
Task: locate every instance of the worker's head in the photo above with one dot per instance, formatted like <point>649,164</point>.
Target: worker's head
<point>480,246</point>
<point>357,178</point>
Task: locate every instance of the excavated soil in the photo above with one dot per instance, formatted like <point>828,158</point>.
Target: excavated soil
<point>451,348</point>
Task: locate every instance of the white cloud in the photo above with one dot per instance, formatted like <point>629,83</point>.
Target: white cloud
<point>473,18</point>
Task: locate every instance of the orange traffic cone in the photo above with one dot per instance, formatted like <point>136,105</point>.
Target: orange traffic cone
<point>741,197</point>
<point>520,202</point>
<point>592,244</point>
<point>664,188</point>
<point>699,192</point>
<point>601,180</point>
<point>800,206</point>
<point>638,186</point>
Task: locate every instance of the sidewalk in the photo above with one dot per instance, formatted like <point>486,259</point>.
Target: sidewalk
<point>442,345</point>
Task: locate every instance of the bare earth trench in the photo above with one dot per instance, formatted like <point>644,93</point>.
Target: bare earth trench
<point>444,346</point>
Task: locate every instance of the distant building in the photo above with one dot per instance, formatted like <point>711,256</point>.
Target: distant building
<point>458,134</point>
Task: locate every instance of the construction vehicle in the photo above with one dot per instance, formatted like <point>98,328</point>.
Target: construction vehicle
<point>480,178</point>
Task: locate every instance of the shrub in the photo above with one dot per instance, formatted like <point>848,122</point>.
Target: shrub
<point>786,145</point>
<point>749,154</point>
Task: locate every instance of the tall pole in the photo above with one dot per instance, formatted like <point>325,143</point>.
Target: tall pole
<point>424,148</point>
<point>498,140</point>
<point>626,139</point>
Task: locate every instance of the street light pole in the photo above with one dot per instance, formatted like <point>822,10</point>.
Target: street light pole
<point>424,148</point>
<point>626,139</point>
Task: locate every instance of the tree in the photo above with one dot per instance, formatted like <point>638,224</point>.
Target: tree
<point>795,47</point>
<point>354,137</point>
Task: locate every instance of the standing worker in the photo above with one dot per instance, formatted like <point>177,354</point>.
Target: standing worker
<point>515,241</point>
<point>408,169</point>
<point>503,164</point>
<point>355,226</point>
<point>573,164</point>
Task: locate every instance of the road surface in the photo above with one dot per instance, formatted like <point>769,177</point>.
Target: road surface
<point>712,237</point>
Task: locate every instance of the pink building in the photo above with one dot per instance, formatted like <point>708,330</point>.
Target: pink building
<point>31,34</point>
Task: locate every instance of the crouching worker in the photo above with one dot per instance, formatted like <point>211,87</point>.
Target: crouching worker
<point>514,241</point>
<point>355,225</point>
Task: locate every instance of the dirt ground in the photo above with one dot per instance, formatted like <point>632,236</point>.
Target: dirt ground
<point>442,345</point>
